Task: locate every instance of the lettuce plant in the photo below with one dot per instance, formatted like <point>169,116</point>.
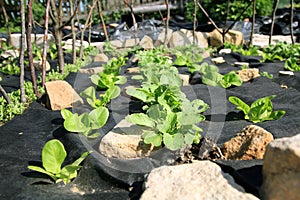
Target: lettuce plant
<point>53,156</point>
<point>173,129</point>
<point>211,76</point>
<point>259,111</point>
<point>85,123</point>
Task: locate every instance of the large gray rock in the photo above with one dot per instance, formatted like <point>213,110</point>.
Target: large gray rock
<point>281,169</point>
<point>199,180</point>
<point>200,38</point>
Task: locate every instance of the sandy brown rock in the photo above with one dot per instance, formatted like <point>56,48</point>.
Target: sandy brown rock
<point>249,144</point>
<point>60,95</point>
<point>281,169</point>
<point>125,142</point>
<point>248,74</point>
<point>234,37</point>
<point>199,180</point>
<point>101,57</point>
<point>146,43</point>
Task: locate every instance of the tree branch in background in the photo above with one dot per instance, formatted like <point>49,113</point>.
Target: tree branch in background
<point>195,21</point>
<point>102,20</point>
<point>23,40</point>
<point>29,47</point>
<point>73,32</point>
<point>167,22</point>
<point>253,21</point>
<point>87,23</point>
<point>8,42</point>
<point>129,5</point>
<point>57,18</point>
<point>292,21</point>
<point>44,56</point>
<point>276,2</point>
<point>6,97</point>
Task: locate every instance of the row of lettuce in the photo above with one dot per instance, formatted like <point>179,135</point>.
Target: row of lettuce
<point>170,119</point>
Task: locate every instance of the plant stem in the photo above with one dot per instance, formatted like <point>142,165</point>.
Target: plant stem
<point>195,21</point>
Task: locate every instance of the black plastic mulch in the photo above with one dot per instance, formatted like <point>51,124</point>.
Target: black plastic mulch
<point>23,138</point>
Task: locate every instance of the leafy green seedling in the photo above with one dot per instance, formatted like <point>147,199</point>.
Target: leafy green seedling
<point>267,75</point>
<point>292,64</point>
<point>211,76</point>
<point>104,81</point>
<point>173,129</point>
<point>90,95</point>
<point>190,60</point>
<point>259,111</point>
<point>53,155</point>
<point>86,122</point>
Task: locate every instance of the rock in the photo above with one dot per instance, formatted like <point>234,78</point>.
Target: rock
<point>241,64</point>
<point>60,95</point>
<point>98,45</point>
<point>281,169</point>
<point>11,53</point>
<point>248,74</point>
<point>68,44</point>
<point>133,70</point>
<point>125,141</point>
<point>2,41</point>
<point>38,65</point>
<point>129,43</point>
<point>185,79</point>
<point>185,37</point>
<point>16,39</point>
<point>234,37</point>
<point>146,43</point>
<point>196,181</point>
<point>225,51</point>
<point>249,144</point>
<point>263,40</point>
<point>101,57</point>
<point>218,60</point>
<point>200,38</point>
<point>178,38</point>
<point>90,71</point>
<point>161,38</point>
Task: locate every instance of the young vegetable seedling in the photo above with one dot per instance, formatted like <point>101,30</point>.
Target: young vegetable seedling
<point>259,111</point>
<point>53,155</point>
